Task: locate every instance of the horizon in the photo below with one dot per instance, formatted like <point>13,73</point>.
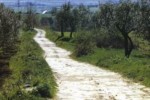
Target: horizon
<point>42,5</point>
<point>60,2</point>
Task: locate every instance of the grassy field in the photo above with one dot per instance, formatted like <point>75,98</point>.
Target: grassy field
<point>31,78</point>
<point>63,42</point>
<point>136,68</point>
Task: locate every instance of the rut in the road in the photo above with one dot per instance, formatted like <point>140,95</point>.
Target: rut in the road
<point>82,81</point>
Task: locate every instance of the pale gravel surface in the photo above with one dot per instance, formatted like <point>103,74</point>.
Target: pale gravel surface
<point>82,81</point>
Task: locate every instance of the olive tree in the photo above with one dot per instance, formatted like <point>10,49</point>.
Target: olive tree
<point>124,22</point>
<point>9,26</point>
<point>73,21</point>
<point>120,17</point>
<point>144,18</point>
<point>62,17</point>
<point>84,16</point>
<point>30,20</point>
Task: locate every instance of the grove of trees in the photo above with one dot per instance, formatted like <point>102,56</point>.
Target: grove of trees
<point>110,26</point>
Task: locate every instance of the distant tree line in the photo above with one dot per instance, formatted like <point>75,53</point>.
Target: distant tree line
<point>109,26</point>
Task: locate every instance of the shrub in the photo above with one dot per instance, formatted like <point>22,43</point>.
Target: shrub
<point>30,19</point>
<point>45,21</point>
<point>103,38</point>
<point>84,43</point>
<point>42,90</point>
<point>24,96</point>
<point>2,97</point>
<point>9,29</point>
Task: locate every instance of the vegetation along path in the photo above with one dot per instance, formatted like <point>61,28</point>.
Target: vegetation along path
<point>82,81</point>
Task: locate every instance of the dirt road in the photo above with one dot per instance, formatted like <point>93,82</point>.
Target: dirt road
<point>82,81</point>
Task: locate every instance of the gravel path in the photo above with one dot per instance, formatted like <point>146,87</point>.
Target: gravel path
<point>82,81</point>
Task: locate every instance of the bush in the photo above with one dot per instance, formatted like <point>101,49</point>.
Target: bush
<point>84,43</point>
<point>103,38</point>
<point>2,97</point>
<point>42,90</point>
<point>9,30</point>
<point>24,96</point>
<point>30,19</point>
<point>45,21</point>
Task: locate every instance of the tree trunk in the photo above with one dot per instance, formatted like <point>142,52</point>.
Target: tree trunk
<point>131,46</point>
<point>62,30</point>
<point>62,33</point>
<point>71,34</point>
<point>128,45</point>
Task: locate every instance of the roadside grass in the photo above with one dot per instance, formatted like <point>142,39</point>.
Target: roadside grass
<point>64,42</point>
<point>31,78</point>
<point>136,68</point>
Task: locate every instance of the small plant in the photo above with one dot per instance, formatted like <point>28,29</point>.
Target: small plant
<point>42,90</point>
<point>84,43</point>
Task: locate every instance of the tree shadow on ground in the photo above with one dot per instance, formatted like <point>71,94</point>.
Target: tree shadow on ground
<point>4,71</point>
<point>142,56</point>
<point>65,39</point>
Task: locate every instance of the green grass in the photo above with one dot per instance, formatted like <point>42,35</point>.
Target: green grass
<point>136,68</point>
<point>62,42</point>
<point>29,67</point>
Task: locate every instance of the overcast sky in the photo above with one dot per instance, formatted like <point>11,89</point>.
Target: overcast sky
<point>60,1</point>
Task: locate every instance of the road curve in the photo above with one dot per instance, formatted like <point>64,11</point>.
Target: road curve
<point>82,81</point>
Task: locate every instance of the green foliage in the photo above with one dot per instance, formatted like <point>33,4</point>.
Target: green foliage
<point>42,90</point>
<point>29,70</point>
<point>64,41</point>
<point>141,44</point>
<point>137,67</point>
<point>30,19</point>
<point>83,16</point>
<point>84,43</point>
<point>44,21</point>
<point>9,36</point>
<point>120,17</point>
<point>124,17</point>
<point>105,39</point>
<point>9,25</point>
<point>70,19</point>
<point>63,18</point>
<point>143,18</point>
<point>24,96</point>
<point>2,97</point>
